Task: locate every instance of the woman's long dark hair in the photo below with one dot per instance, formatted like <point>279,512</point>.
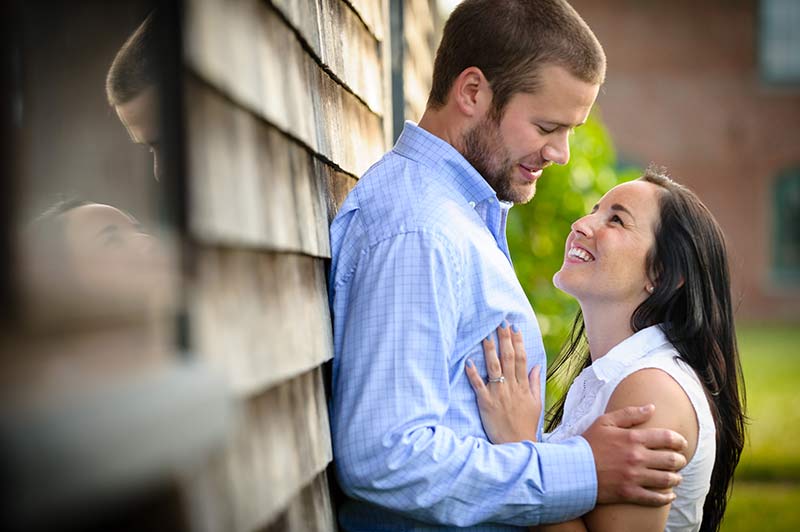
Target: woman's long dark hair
<point>692,297</point>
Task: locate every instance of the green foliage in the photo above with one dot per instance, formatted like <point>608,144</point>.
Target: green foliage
<point>537,231</point>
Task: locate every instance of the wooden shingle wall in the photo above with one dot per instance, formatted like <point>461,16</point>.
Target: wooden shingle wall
<point>285,106</point>
<point>421,33</point>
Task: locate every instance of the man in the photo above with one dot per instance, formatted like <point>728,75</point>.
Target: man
<point>132,88</point>
<point>421,273</point>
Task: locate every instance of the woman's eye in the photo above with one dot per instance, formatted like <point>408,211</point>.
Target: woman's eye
<point>113,241</point>
<point>545,130</point>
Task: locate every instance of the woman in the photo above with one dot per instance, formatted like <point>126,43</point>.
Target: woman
<point>648,266</point>
<point>81,257</point>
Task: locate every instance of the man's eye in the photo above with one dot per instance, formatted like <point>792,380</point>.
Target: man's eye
<point>617,219</point>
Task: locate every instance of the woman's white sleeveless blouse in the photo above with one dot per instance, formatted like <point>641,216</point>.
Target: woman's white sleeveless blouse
<point>588,397</point>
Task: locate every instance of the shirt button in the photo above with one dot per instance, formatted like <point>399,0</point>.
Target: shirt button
<point>472,204</point>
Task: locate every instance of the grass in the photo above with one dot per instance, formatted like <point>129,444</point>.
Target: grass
<point>771,365</point>
<point>766,494</point>
<point>769,506</point>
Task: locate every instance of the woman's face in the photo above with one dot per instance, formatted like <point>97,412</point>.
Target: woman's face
<point>110,254</point>
<point>95,261</point>
<point>97,234</point>
<point>606,251</point>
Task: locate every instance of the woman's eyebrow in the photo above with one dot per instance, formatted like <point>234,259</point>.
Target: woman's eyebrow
<point>618,207</point>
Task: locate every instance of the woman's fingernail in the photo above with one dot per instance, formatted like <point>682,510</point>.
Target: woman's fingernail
<point>470,363</point>
<point>515,328</point>
<point>503,324</point>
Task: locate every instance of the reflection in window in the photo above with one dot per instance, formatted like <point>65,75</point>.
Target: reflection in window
<point>786,254</point>
<point>95,405</point>
<point>779,41</point>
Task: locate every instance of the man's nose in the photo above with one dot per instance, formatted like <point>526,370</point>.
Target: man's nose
<point>557,150</point>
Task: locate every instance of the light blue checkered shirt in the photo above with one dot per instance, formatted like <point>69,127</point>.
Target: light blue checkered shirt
<point>420,274</point>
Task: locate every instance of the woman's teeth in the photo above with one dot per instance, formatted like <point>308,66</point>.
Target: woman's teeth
<point>581,254</point>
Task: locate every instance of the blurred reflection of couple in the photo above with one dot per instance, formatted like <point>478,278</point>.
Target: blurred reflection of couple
<point>100,249</point>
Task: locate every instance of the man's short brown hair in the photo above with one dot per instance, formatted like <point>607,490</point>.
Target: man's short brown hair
<point>135,67</point>
<point>510,40</point>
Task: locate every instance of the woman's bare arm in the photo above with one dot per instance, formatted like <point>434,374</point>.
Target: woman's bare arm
<point>673,411</point>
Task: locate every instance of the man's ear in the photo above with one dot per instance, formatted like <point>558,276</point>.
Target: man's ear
<point>471,93</point>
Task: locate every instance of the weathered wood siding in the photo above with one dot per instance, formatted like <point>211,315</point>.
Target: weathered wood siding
<point>285,105</point>
<point>421,33</point>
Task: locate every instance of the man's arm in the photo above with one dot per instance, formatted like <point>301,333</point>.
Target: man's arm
<point>635,465</point>
<point>392,390</point>
<point>575,525</point>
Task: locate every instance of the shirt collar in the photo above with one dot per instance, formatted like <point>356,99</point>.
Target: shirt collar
<point>628,351</point>
<point>426,148</point>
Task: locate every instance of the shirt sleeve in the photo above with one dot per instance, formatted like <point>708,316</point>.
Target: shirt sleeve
<point>391,391</point>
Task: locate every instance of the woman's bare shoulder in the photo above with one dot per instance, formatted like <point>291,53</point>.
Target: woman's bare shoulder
<point>674,409</point>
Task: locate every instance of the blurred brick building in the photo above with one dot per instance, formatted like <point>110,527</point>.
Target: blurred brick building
<point>711,89</point>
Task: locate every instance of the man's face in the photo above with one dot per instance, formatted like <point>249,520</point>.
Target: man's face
<point>532,133</point>
<point>140,116</point>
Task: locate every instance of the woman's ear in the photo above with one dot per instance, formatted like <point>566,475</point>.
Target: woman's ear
<point>651,284</point>
<point>471,93</point>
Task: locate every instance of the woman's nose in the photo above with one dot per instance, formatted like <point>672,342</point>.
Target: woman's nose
<point>583,226</point>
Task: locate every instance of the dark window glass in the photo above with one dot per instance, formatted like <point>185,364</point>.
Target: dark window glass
<point>786,256</point>
<point>779,41</point>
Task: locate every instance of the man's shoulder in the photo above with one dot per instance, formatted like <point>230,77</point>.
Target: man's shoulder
<point>398,195</point>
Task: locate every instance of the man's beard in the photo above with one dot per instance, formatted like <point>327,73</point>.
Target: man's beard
<point>484,150</point>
